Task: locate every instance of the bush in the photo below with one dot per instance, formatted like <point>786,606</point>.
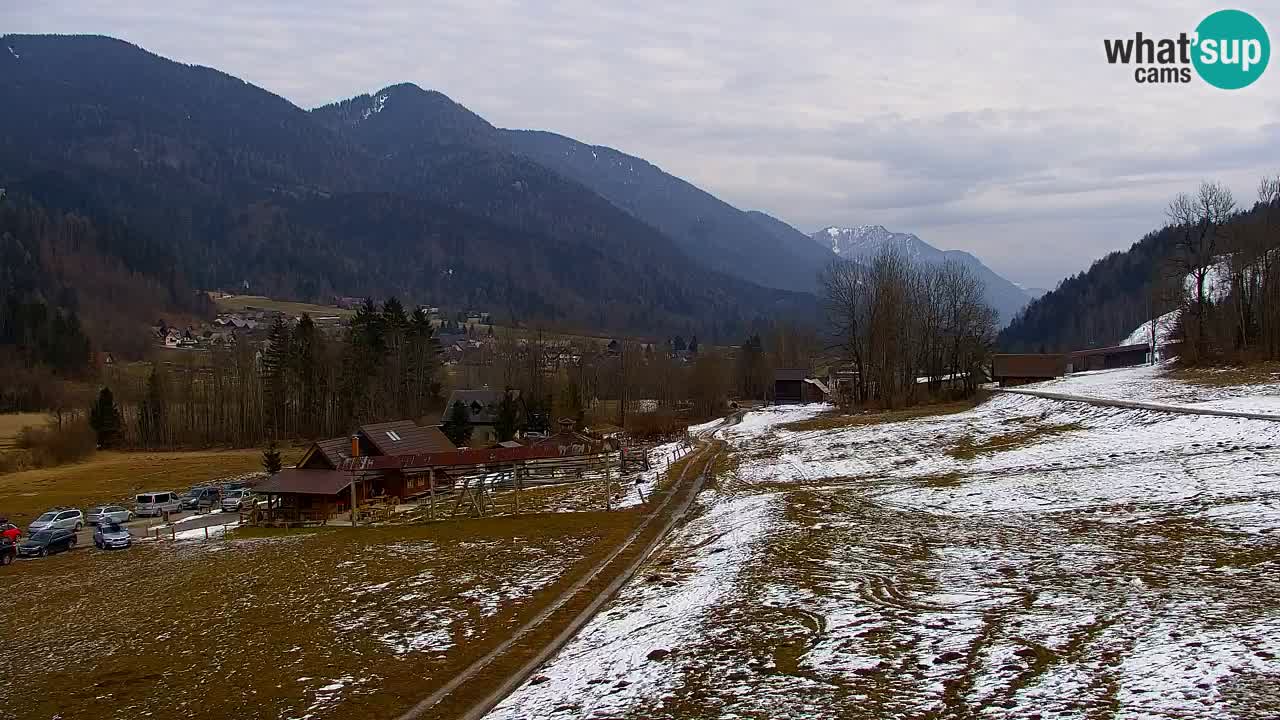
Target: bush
<point>52,445</point>
<point>655,425</point>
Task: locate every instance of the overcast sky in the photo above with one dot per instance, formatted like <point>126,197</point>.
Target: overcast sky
<point>995,127</point>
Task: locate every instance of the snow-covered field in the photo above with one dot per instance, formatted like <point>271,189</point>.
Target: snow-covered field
<point>1147,384</point>
<point>1028,558</point>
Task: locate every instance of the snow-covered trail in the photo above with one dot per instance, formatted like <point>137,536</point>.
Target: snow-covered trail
<point>1075,561</point>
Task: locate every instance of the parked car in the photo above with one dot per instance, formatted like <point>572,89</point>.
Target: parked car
<point>199,498</point>
<point>156,503</point>
<point>237,500</point>
<point>8,551</point>
<point>110,513</point>
<point>59,517</point>
<point>234,485</point>
<point>111,535</point>
<point>47,542</point>
<point>10,532</point>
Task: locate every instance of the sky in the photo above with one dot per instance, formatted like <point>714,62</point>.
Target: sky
<point>990,126</point>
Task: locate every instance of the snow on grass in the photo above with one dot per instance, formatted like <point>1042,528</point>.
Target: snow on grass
<point>1148,384</point>
<point>1089,560</point>
<point>618,659</point>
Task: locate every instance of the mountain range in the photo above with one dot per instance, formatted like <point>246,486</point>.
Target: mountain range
<point>865,241</point>
<point>401,191</point>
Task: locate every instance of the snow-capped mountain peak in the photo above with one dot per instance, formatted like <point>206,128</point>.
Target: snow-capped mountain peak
<point>862,242</point>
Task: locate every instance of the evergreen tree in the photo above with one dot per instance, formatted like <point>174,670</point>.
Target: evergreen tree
<point>104,418</point>
<point>505,424</point>
<point>457,427</point>
<point>153,411</point>
<point>275,361</point>
<point>271,461</point>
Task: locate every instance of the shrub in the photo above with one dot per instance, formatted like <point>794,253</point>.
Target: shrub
<point>53,445</point>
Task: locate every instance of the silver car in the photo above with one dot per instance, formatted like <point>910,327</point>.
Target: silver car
<point>57,518</point>
<point>237,500</point>
<point>111,535</point>
<point>110,513</point>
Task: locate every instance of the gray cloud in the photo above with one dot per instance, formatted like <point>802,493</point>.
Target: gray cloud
<point>993,126</point>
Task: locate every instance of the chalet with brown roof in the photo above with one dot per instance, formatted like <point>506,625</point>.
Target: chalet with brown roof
<point>320,484</point>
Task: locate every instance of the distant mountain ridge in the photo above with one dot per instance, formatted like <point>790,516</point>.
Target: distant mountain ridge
<point>710,230</point>
<point>864,241</point>
<point>401,191</point>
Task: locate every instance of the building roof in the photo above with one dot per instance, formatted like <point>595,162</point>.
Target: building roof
<point>405,437</point>
<point>790,374</point>
<point>305,482</point>
<point>333,450</point>
<point>1114,350</point>
<point>482,405</point>
<point>398,437</point>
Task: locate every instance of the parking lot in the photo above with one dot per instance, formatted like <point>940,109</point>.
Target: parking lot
<point>196,524</point>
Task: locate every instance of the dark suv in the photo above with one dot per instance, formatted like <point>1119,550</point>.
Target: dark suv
<point>201,498</point>
<point>47,542</point>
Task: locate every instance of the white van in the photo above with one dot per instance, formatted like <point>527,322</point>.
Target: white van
<point>155,504</point>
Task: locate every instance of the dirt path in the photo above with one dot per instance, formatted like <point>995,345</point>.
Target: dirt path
<point>466,696</point>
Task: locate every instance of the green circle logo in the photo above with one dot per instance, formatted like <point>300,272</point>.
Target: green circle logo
<point>1232,49</point>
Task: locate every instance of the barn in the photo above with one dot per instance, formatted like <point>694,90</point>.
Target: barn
<point>1020,369</point>
<point>792,386</point>
<point>1110,357</point>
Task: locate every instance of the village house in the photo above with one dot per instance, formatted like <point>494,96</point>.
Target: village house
<point>482,413</point>
<point>320,485</point>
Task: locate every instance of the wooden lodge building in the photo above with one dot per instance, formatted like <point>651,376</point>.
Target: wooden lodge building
<point>384,464</point>
<point>319,486</point>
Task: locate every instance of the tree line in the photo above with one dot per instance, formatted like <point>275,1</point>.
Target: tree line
<point>1213,261</point>
<point>300,384</point>
<point>907,331</point>
<point>1223,274</point>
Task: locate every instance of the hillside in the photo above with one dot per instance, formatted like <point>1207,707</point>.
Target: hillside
<point>864,241</point>
<point>709,230</point>
<point>401,192</point>
<point>1097,307</point>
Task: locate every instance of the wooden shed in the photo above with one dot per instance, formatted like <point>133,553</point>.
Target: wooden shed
<point>1020,369</point>
<point>791,386</point>
<point>1106,358</point>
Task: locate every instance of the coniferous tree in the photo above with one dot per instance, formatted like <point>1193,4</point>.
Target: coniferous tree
<point>153,412</point>
<point>271,462</point>
<point>505,424</point>
<point>104,418</point>
<point>457,427</point>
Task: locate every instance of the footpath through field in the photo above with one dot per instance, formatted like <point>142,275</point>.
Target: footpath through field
<point>478,688</point>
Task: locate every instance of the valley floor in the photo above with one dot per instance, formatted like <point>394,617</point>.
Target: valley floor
<point>1029,558</point>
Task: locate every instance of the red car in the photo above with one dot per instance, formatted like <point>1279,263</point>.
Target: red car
<point>10,532</point>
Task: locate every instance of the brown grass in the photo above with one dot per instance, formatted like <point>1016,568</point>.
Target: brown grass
<point>1254,374</point>
<point>836,420</point>
<point>236,303</point>
<point>967,449</point>
<point>117,476</point>
<point>254,627</point>
<point>11,424</point>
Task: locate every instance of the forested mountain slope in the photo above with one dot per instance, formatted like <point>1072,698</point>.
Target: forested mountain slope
<point>708,229</point>
<point>402,192</point>
<point>1097,307</point>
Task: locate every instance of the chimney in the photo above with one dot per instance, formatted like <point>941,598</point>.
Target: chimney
<point>355,446</point>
